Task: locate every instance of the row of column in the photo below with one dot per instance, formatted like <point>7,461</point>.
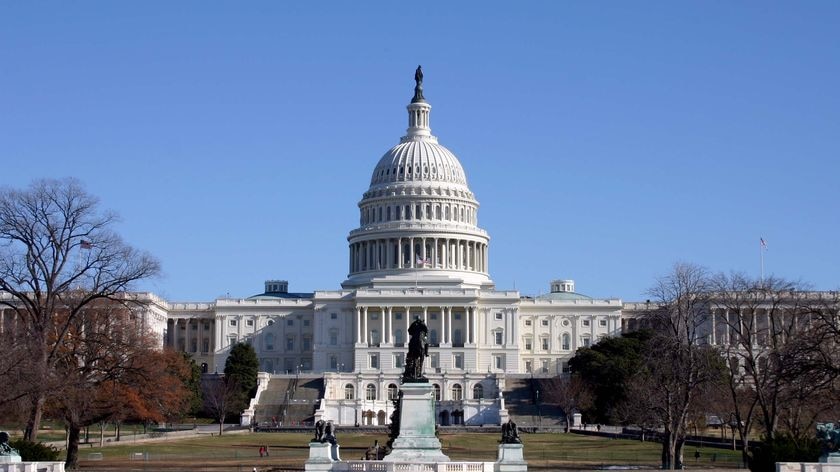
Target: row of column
<point>420,252</point>
<point>420,212</point>
<point>386,322</point>
<point>174,331</point>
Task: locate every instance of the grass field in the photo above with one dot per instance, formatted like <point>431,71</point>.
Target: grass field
<point>288,451</point>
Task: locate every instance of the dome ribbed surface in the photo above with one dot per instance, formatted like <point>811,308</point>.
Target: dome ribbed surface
<point>418,160</point>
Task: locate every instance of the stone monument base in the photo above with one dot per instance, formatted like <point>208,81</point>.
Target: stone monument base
<point>511,458</point>
<point>417,442</point>
<point>321,456</point>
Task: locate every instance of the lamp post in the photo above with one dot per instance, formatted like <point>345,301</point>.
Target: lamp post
<point>539,410</point>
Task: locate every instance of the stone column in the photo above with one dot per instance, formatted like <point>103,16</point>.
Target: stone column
<point>399,253</point>
<point>423,251</point>
<point>365,325</point>
<point>449,325</point>
<point>426,315</point>
<point>411,255</point>
<point>390,326</point>
<point>358,325</point>
<point>382,337</point>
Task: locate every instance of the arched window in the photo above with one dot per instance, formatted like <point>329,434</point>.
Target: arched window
<point>392,392</point>
<point>567,342</point>
<point>437,212</point>
<point>437,392</point>
<point>349,392</point>
<point>417,212</point>
<point>446,212</point>
<point>370,392</point>
<point>457,392</point>
<point>388,214</point>
<point>379,214</point>
<point>478,392</point>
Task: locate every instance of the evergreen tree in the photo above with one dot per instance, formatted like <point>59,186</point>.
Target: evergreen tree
<point>241,368</point>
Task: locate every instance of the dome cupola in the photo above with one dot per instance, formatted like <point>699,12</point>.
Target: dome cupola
<point>418,219</point>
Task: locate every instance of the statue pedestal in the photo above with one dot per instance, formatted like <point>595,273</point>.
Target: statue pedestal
<point>511,458</point>
<point>417,441</point>
<point>321,456</point>
<point>10,459</point>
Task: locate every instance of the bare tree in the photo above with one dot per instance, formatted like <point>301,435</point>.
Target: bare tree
<point>770,332</point>
<point>220,397</point>
<point>58,254</point>
<point>676,364</point>
<point>570,393</point>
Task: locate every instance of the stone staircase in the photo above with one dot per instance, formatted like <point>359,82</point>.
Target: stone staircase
<point>289,400</point>
<point>521,403</point>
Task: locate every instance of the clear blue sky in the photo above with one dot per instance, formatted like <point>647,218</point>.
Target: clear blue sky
<point>604,140</point>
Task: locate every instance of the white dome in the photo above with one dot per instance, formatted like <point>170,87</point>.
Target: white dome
<point>418,160</point>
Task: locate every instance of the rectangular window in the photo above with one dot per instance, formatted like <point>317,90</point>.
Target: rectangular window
<point>458,360</point>
<point>398,361</point>
<point>432,316</point>
<point>333,339</point>
<point>498,336</point>
<point>290,343</point>
<point>499,316</point>
<point>194,326</point>
<point>374,315</point>
<point>565,367</point>
<point>398,316</point>
<point>602,322</point>
<point>373,361</point>
<point>435,360</point>
<point>307,344</point>
<point>545,322</point>
<point>545,366</point>
<point>528,367</point>
<point>249,322</point>
<point>206,326</point>
<point>544,342</point>
<point>231,340</point>
<point>205,347</point>
<point>306,322</point>
<point>527,322</point>
<point>457,316</point>
<point>586,342</point>
<point>290,322</point>
<point>586,322</point>
<point>528,345</point>
<point>333,316</point>
<point>232,322</point>
<point>499,361</point>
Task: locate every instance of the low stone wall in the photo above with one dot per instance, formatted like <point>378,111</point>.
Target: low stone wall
<point>32,467</point>
<point>807,466</point>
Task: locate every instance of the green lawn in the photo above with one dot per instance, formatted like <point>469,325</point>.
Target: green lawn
<point>290,450</point>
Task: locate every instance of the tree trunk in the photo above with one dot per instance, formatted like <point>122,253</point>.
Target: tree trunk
<point>568,424</point>
<point>33,424</point>
<point>72,461</point>
<point>221,424</point>
<point>101,434</point>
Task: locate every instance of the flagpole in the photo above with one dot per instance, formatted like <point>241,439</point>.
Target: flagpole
<point>761,258</point>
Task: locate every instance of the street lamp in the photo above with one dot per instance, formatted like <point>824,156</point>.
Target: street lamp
<point>539,410</point>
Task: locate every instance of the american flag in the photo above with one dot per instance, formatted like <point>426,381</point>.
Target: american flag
<point>763,243</point>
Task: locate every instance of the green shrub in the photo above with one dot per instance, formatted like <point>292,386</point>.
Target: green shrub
<point>34,452</point>
<point>783,449</point>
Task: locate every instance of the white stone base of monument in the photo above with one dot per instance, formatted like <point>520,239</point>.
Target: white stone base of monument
<point>807,466</point>
<point>322,456</point>
<point>6,465</point>
<point>511,459</point>
<point>417,441</point>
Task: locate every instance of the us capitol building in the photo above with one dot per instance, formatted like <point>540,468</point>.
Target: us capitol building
<point>418,252</point>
